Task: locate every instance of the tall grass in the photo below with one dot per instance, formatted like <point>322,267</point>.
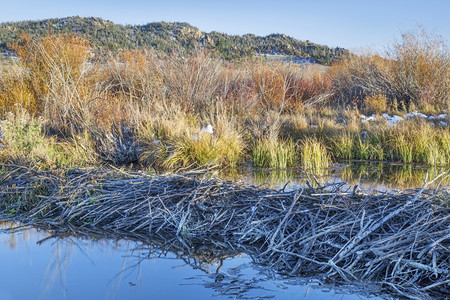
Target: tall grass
<point>176,140</point>
<point>142,107</point>
<point>24,141</point>
<point>314,156</point>
<point>419,142</point>
<point>224,148</point>
<point>342,146</point>
<point>274,153</point>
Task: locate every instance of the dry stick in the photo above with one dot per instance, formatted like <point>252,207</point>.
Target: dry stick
<point>296,197</point>
<point>254,219</point>
<point>436,284</point>
<point>363,234</point>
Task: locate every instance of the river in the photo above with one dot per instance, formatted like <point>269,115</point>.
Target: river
<point>39,266</point>
<point>44,264</point>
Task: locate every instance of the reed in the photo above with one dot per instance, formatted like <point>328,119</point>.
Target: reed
<point>419,142</point>
<point>274,153</point>
<point>314,156</point>
<point>342,145</point>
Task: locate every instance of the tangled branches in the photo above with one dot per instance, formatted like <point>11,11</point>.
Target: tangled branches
<point>400,241</point>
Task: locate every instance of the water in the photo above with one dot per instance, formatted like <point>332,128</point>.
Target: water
<point>368,176</point>
<point>43,264</point>
<point>37,266</point>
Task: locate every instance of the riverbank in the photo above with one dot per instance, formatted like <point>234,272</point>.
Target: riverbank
<point>339,235</point>
<point>311,140</point>
<point>60,106</point>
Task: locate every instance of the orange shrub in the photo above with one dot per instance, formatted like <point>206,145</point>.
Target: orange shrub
<point>310,86</point>
<point>282,85</point>
<point>270,84</point>
<point>52,60</point>
<point>135,75</point>
<point>358,76</point>
<point>58,67</point>
<point>15,94</point>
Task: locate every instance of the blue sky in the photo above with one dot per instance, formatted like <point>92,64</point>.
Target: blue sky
<point>348,23</point>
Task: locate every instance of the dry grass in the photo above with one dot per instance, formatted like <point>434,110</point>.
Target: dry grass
<point>412,74</point>
<point>139,107</point>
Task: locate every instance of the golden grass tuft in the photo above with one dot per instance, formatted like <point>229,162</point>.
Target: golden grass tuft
<point>274,153</point>
<point>314,156</point>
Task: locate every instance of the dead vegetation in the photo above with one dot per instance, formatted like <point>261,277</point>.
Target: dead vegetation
<point>399,241</point>
<point>145,108</point>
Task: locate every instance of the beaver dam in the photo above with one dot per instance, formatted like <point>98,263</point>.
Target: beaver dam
<point>397,242</point>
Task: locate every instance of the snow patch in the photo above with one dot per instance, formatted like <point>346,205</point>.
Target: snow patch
<point>367,119</point>
<point>416,114</point>
<point>392,120</point>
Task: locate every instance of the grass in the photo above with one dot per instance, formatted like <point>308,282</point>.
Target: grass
<point>274,153</point>
<point>138,107</point>
<point>314,156</point>
<point>412,141</point>
<point>419,142</point>
<point>204,151</point>
<point>24,142</point>
<point>342,146</point>
<point>176,140</point>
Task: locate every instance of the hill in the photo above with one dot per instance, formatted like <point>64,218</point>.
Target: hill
<point>168,37</point>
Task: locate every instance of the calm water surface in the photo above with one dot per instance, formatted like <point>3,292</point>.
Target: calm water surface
<point>37,267</point>
<point>367,175</point>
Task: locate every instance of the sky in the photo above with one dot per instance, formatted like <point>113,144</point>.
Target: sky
<point>351,24</point>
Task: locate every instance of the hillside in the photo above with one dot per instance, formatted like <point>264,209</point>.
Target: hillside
<point>168,37</point>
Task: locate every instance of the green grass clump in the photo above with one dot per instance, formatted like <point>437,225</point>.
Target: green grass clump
<point>24,142</point>
<point>314,156</point>
<point>342,146</point>
<point>273,153</point>
<point>419,142</point>
<point>177,141</point>
<point>402,149</point>
<point>412,141</point>
<point>368,146</point>
<point>363,145</point>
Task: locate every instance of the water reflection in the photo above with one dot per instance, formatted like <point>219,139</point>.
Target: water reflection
<point>87,265</point>
<point>369,175</point>
<point>390,175</point>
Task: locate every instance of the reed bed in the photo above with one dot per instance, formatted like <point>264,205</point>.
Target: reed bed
<point>399,241</point>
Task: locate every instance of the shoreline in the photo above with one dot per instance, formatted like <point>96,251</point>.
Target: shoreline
<point>346,234</point>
